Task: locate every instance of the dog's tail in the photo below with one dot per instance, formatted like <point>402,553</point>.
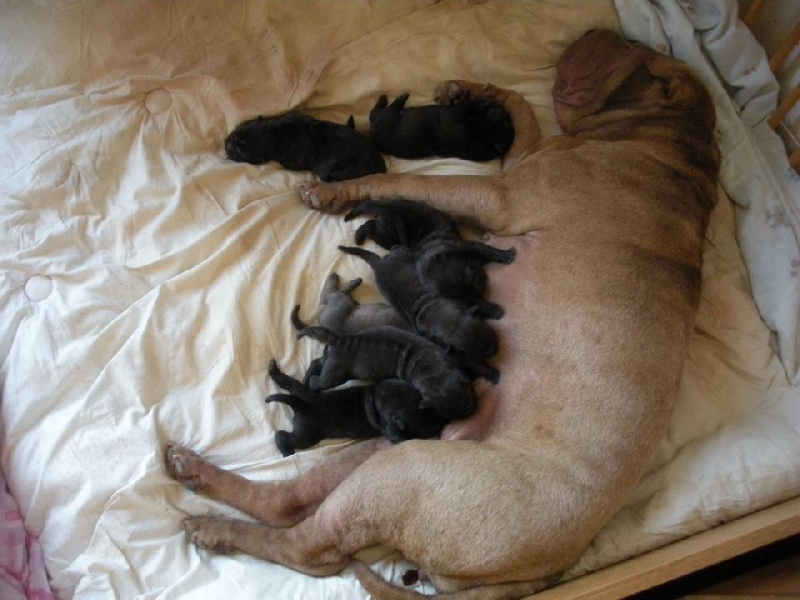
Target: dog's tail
<point>380,589</point>
<point>368,256</point>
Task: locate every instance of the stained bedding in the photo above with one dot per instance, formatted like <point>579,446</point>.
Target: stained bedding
<point>146,282</point>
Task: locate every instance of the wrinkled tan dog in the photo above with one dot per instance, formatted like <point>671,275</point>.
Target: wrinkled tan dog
<point>609,222</point>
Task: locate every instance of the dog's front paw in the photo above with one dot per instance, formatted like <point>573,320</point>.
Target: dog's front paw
<point>448,92</point>
<point>210,533</point>
<point>321,196</point>
<point>188,467</point>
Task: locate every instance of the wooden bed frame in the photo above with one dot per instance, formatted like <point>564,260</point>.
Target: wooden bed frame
<point>776,61</point>
<point>726,541</point>
<point>683,557</point>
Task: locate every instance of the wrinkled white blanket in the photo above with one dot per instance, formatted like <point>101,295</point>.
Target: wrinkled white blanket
<point>146,282</point>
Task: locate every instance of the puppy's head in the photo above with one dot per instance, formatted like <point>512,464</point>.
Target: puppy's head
<point>453,397</point>
<point>601,73</point>
<point>256,141</point>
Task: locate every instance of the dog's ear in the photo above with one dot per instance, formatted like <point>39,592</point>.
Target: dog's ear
<point>677,88</point>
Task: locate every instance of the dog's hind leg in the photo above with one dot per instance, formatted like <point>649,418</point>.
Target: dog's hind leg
<point>301,548</point>
<point>277,503</point>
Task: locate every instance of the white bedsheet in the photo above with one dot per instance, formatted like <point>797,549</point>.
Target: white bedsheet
<point>146,282</point>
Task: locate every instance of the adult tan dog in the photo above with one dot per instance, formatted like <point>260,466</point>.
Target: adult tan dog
<point>609,221</point>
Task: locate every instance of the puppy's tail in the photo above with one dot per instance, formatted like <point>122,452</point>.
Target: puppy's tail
<point>368,256</point>
<point>290,384</point>
<point>298,324</point>
<point>366,207</point>
<point>379,589</point>
<point>322,334</point>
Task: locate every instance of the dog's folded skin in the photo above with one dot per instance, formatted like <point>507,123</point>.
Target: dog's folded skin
<point>608,223</point>
<point>301,143</point>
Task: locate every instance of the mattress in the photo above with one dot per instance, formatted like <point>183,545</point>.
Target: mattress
<point>147,281</point>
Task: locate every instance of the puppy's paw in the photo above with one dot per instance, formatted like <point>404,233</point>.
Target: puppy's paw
<point>187,467</point>
<point>210,533</point>
<point>509,256</point>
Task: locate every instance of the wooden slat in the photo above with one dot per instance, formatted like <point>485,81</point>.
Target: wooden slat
<point>683,557</point>
<point>752,13</point>
<point>784,108</point>
<point>780,56</point>
<point>794,160</point>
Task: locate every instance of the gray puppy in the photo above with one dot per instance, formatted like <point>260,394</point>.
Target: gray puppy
<point>378,353</point>
<point>342,314</point>
<point>443,320</point>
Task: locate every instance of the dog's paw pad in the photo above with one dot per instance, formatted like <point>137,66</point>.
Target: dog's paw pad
<point>185,466</point>
<point>448,92</point>
<point>209,533</point>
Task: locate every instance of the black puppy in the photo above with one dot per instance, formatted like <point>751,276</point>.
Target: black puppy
<point>448,265</point>
<point>443,320</point>
<point>378,353</point>
<point>301,143</point>
<point>401,222</point>
<point>389,408</point>
<point>456,269</point>
<point>470,128</point>
<point>342,314</point>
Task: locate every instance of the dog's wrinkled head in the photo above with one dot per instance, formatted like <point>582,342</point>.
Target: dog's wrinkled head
<point>601,72</point>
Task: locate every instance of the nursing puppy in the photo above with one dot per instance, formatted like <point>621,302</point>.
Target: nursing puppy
<point>342,314</point>
<point>378,353</point>
<point>401,222</point>
<point>448,265</point>
<point>301,143</point>
<point>443,320</point>
<point>608,222</point>
<point>389,408</point>
<point>471,128</point>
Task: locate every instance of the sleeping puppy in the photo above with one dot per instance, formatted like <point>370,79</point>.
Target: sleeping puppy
<point>301,143</point>
<point>449,265</point>
<point>476,129</point>
<point>342,314</point>
<point>378,353</point>
<point>443,320</point>
<point>389,408</point>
